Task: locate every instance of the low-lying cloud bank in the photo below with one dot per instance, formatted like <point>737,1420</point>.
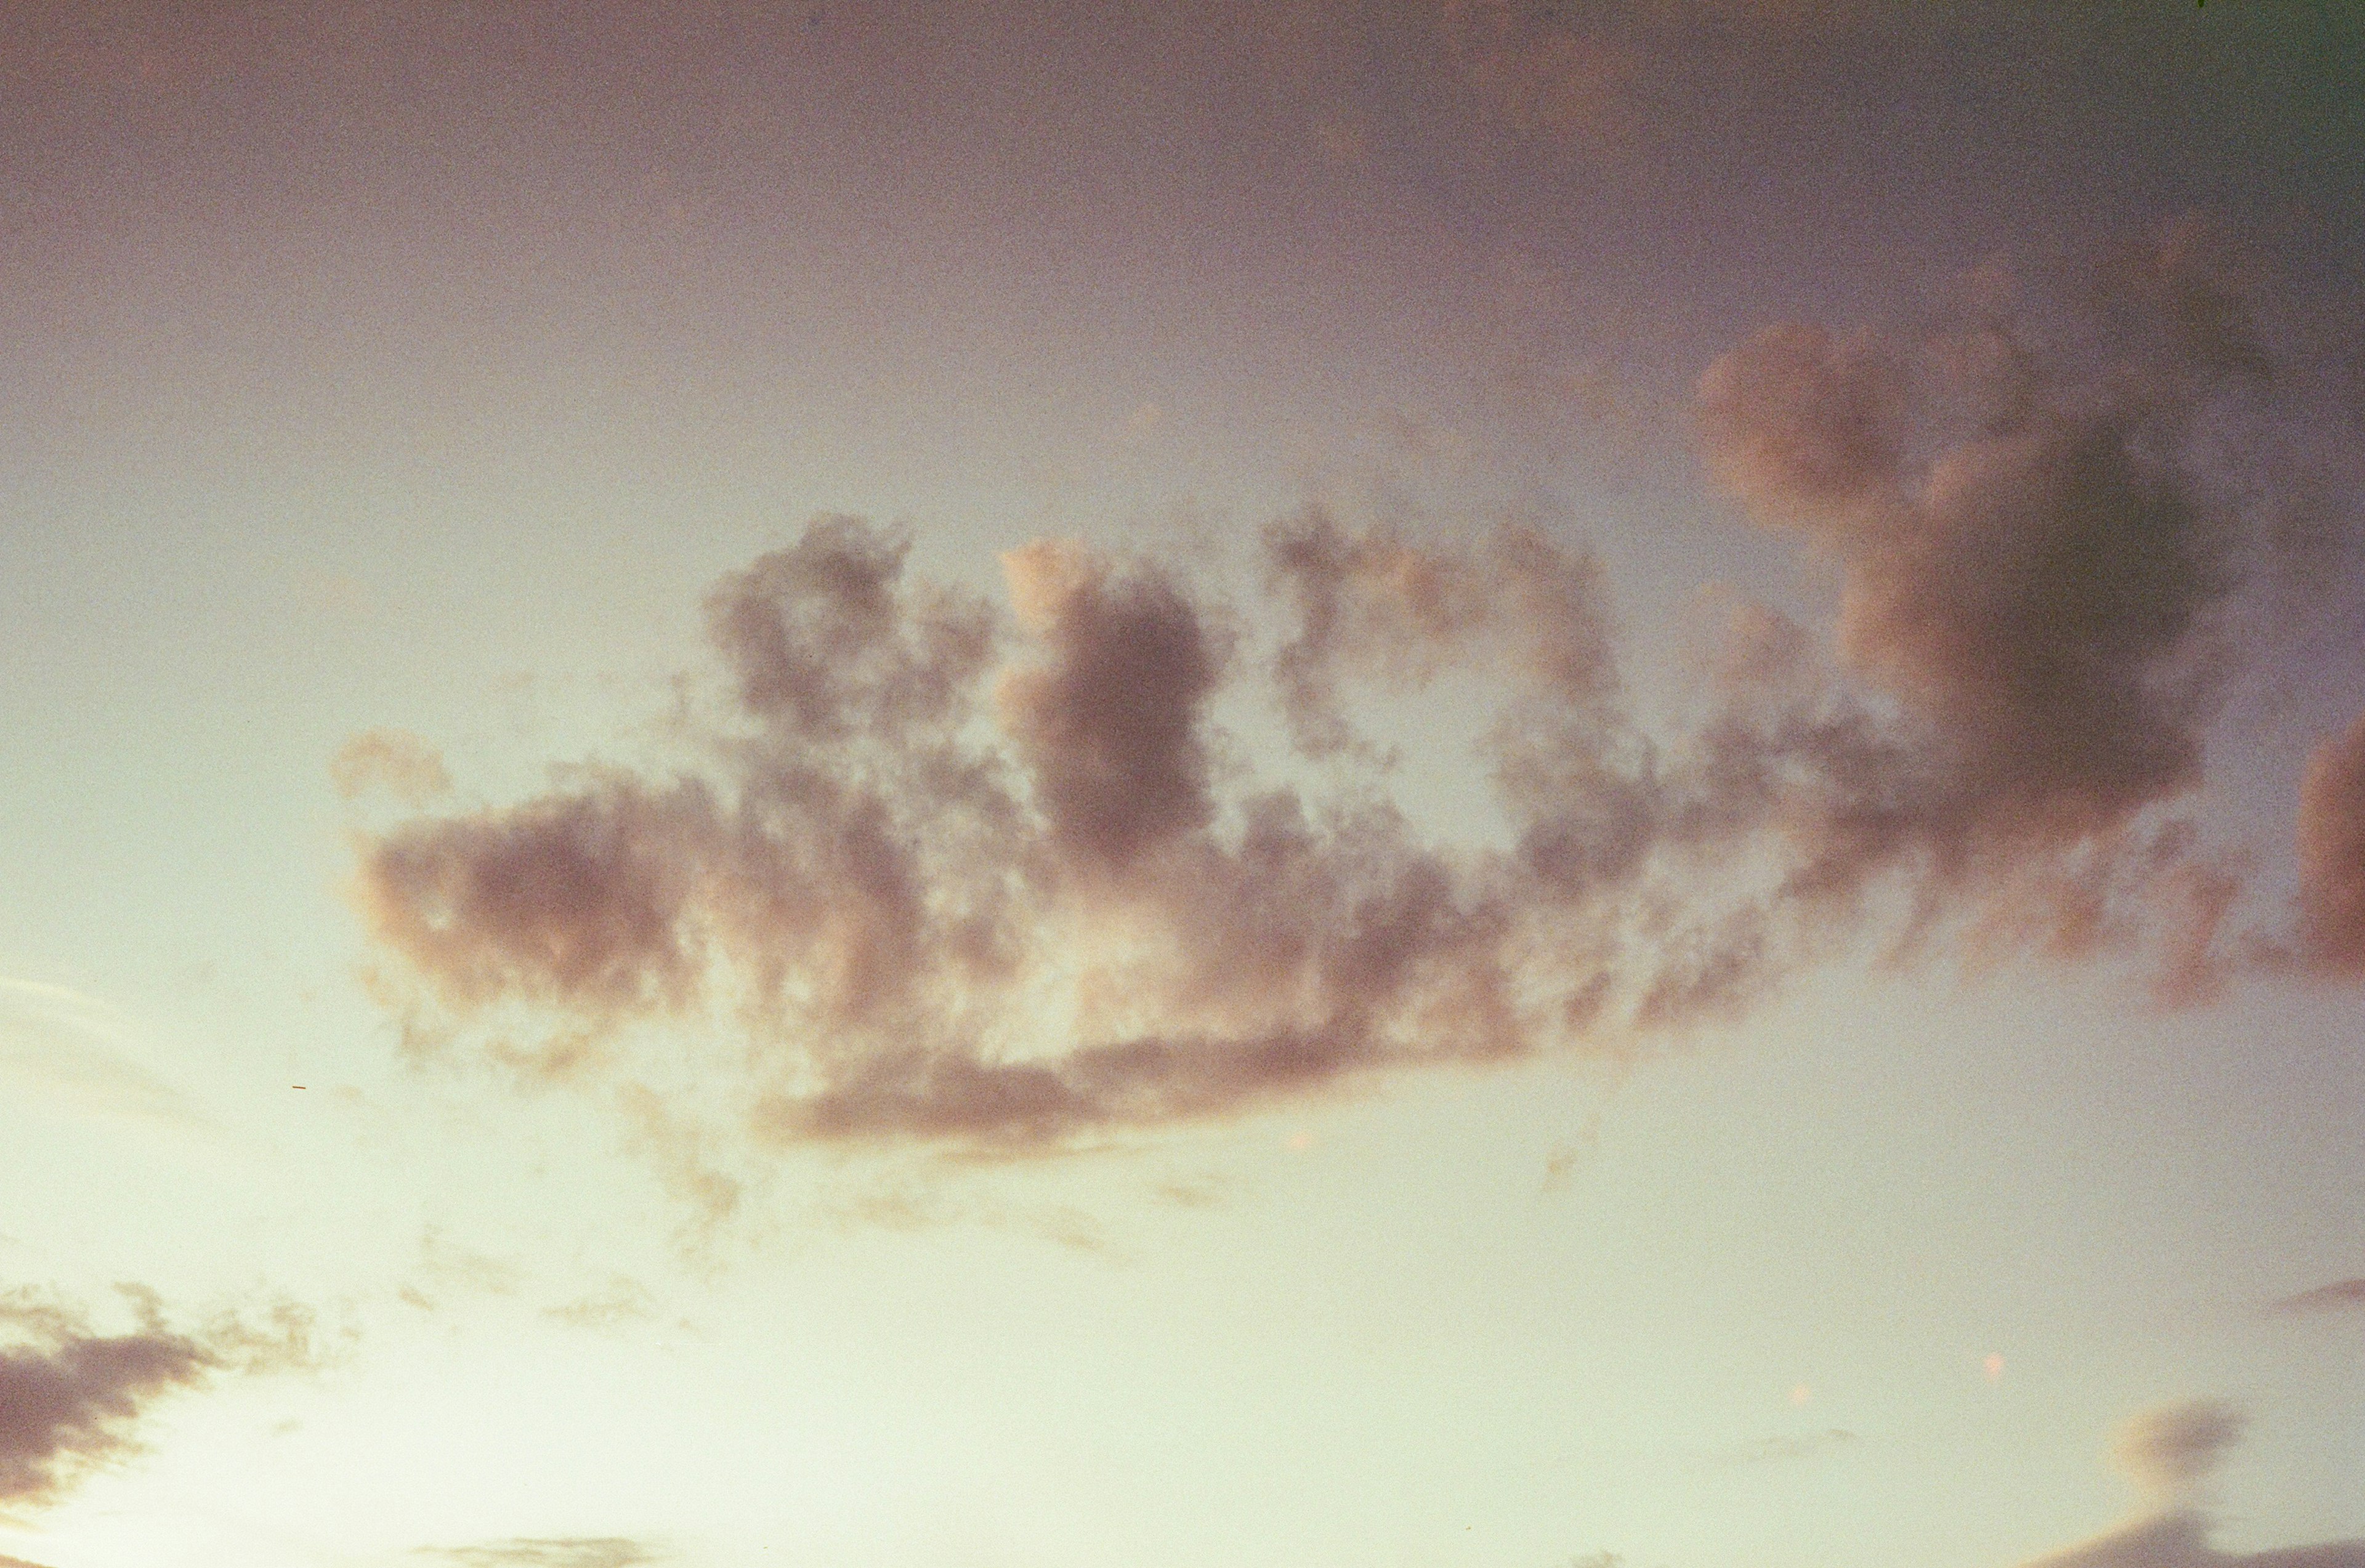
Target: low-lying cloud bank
<point>952,874</point>
<point>72,1397</point>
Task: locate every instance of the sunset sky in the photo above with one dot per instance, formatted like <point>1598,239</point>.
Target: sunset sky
<point>1350,784</point>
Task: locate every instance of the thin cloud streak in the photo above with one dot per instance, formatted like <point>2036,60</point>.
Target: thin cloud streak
<point>1787,1447</point>
<point>550,1552</point>
<point>2341,1296</point>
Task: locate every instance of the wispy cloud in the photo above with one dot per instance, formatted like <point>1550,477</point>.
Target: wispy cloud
<point>1785,1449</point>
<point>2340,1295</point>
<point>393,761</point>
<point>550,1552</point>
<point>623,1301</point>
<point>70,1049</point>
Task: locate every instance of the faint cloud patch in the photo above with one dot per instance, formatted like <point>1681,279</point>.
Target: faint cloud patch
<point>624,1301</point>
<point>1562,1164</point>
<point>70,1049</point>
<point>394,761</point>
<point>1785,1449</point>
<point>2171,1449</point>
<point>2341,1296</point>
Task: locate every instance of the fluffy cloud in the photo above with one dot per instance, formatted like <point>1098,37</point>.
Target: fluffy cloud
<point>71,1398</point>
<point>2030,596</point>
<point>956,874</point>
<point>2038,556</point>
<point>891,898</point>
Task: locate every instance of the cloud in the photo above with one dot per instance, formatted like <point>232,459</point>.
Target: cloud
<point>70,1048</point>
<point>1785,1448</point>
<point>1383,608</point>
<point>575,900</point>
<point>2332,856</point>
<point>1541,78</point>
<point>2024,595</point>
<point>2181,1541</point>
<point>934,871</point>
<point>2038,559</point>
<point>1110,723</point>
<point>2169,1451</point>
<point>2341,1296</point>
<point>71,1398</point>
<point>623,1301</point>
<point>554,1552</point>
<point>401,764</point>
<point>884,895</point>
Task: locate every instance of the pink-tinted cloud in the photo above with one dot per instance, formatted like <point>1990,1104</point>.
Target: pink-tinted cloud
<point>575,900</point>
<point>1109,723</point>
<point>1379,608</point>
<point>997,879</point>
<point>2332,855</point>
<point>879,892</point>
<point>71,1398</point>
<point>550,1552</point>
<point>2036,560</point>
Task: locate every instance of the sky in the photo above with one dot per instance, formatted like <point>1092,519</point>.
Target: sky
<point>1436,784</point>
